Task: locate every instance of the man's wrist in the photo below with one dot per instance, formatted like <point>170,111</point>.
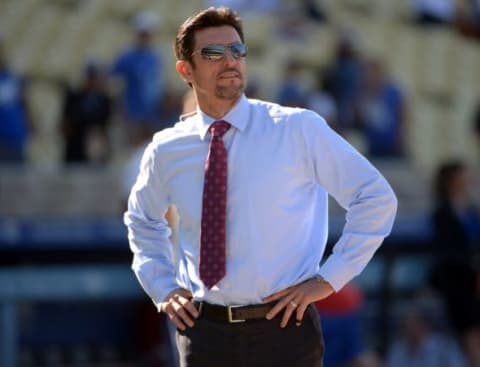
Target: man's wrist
<point>320,279</point>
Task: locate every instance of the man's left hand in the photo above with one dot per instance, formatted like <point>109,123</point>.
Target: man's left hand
<point>297,298</point>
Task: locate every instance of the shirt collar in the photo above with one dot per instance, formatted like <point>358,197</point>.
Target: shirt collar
<point>237,117</point>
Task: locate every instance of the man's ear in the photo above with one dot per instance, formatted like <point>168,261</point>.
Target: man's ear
<point>184,69</point>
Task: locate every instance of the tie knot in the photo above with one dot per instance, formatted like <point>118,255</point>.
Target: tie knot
<point>218,128</point>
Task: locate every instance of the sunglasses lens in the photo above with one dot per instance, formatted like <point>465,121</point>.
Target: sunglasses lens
<point>213,52</point>
<point>216,52</point>
<point>238,50</point>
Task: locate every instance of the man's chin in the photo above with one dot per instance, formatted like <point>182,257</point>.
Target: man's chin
<point>230,92</point>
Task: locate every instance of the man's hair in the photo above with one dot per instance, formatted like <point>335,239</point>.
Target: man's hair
<point>211,17</point>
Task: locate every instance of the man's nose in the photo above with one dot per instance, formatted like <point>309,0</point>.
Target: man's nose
<point>228,57</point>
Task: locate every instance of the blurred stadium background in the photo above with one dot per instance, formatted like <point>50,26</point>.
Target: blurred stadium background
<point>67,295</point>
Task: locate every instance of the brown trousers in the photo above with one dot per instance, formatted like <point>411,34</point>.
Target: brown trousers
<point>259,343</point>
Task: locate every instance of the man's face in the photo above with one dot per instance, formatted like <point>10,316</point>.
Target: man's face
<point>216,79</point>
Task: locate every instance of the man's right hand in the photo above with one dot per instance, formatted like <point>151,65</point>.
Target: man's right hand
<point>179,308</point>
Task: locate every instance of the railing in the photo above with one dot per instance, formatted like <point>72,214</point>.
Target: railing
<point>56,283</point>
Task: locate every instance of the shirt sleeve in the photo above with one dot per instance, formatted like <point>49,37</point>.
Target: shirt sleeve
<point>148,230</point>
<point>360,189</point>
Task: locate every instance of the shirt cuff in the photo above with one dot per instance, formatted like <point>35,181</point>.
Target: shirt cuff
<point>165,292</point>
<point>335,271</point>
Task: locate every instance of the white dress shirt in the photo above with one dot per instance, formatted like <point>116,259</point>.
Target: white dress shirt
<point>282,164</point>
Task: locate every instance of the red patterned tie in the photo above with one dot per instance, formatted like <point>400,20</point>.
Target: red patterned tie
<point>212,237</point>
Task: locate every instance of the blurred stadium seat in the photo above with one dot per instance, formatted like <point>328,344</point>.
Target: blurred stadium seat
<point>55,42</point>
<point>45,102</point>
<point>78,192</point>
<point>15,16</point>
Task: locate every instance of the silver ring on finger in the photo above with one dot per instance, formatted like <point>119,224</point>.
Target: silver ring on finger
<point>295,305</point>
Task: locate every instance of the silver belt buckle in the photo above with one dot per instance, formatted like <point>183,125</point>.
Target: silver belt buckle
<point>230,316</point>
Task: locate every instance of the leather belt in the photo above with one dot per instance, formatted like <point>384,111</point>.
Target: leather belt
<point>233,314</point>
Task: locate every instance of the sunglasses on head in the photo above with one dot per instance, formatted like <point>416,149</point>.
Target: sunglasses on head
<point>217,52</point>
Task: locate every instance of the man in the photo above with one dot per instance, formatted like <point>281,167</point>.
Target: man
<point>85,119</point>
<point>140,66</point>
<point>15,122</point>
<point>252,233</point>
<point>381,112</point>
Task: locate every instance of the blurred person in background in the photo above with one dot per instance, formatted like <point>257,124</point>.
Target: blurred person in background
<point>347,73</point>
<point>140,67</point>
<point>340,315</point>
<point>456,275</point>
<point>174,106</point>
<point>314,10</point>
<point>434,12</point>
<point>291,91</point>
<point>170,110</point>
<point>267,232</point>
<point>456,218</point>
<point>295,20</point>
<point>131,167</point>
<point>15,123</point>
<point>468,19</point>
<point>321,99</point>
<point>380,113</point>
<point>86,117</point>
<point>419,345</point>
<point>476,128</point>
